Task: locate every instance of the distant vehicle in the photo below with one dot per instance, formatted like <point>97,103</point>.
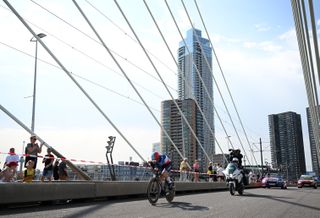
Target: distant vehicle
<point>318,180</point>
<point>274,181</point>
<point>307,181</point>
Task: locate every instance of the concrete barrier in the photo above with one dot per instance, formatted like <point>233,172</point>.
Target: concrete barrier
<point>12,193</point>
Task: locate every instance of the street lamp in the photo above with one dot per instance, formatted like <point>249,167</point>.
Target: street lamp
<point>228,141</point>
<point>33,39</point>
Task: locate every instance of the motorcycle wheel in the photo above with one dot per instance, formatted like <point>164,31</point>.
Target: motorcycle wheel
<point>153,191</point>
<point>241,189</point>
<point>232,188</point>
<point>171,193</point>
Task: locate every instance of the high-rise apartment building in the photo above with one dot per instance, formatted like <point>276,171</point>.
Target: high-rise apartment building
<point>314,154</point>
<point>178,130</point>
<point>286,142</point>
<point>156,147</point>
<point>195,82</point>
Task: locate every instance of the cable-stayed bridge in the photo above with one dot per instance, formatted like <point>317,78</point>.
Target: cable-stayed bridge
<point>141,75</point>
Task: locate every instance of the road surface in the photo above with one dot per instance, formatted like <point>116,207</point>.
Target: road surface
<point>289,203</point>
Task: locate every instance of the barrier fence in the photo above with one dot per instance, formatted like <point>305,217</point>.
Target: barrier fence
<point>100,171</point>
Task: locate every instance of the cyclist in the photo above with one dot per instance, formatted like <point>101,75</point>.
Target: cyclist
<point>162,163</point>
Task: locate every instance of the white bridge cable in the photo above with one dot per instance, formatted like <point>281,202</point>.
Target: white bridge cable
<point>217,85</point>
<point>88,36</point>
<point>86,55</point>
<point>160,77</point>
<point>128,79</point>
<point>316,50</point>
<point>310,84</point>
<point>222,73</point>
<point>171,53</point>
<point>134,40</point>
<point>81,77</point>
<point>72,78</point>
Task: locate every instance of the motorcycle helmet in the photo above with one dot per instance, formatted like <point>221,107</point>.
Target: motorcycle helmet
<point>155,156</point>
<point>235,160</point>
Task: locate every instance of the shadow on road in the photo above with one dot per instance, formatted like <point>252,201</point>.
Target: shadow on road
<point>281,199</point>
<point>183,206</point>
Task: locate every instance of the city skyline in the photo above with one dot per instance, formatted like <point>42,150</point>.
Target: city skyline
<point>256,47</point>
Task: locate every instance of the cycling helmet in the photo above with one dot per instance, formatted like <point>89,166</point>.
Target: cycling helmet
<point>155,156</point>
<point>236,160</point>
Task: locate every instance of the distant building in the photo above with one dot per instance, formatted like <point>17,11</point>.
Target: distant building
<point>178,130</point>
<point>156,147</point>
<point>194,59</point>
<point>221,159</point>
<point>315,159</point>
<point>286,141</point>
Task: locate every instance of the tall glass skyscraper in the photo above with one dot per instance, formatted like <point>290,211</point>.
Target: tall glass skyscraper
<point>192,58</point>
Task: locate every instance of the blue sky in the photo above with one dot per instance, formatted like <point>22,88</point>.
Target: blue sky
<point>254,40</point>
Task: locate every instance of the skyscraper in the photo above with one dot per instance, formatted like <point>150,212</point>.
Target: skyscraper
<point>314,155</point>
<point>178,130</point>
<point>286,142</point>
<point>193,59</point>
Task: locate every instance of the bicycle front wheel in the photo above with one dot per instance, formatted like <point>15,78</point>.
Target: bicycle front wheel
<point>153,191</point>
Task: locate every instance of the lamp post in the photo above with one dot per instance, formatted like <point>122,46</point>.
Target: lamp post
<point>228,141</point>
<point>33,39</point>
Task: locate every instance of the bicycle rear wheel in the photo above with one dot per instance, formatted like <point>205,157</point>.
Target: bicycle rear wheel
<point>169,193</point>
<point>153,191</point>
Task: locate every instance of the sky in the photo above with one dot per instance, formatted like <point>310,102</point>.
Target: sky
<point>254,41</point>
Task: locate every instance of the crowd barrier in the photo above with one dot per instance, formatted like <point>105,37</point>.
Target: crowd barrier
<point>17,193</point>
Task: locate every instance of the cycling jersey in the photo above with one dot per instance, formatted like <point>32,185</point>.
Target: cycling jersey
<point>163,163</point>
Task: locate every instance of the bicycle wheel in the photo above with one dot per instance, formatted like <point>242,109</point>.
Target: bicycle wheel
<point>169,193</point>
<point>153,191</point>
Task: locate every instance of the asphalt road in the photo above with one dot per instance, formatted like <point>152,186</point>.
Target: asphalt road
<point>290,203</point>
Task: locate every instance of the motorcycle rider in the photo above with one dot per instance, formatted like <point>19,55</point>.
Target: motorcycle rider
<point>236,153</point>
<point>236,156</point>
<point>162,163</point>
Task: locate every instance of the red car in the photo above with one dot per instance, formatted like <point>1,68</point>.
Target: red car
<point>306,180</point>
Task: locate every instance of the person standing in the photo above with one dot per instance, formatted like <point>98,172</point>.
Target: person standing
<point>196,167</point>
<point>48,166</point>
<point>32,150</point>
<point>183,170</point>
<point>220,173</point>
<point>63,174</point>
<point>56,170</point>
<point>210,172</point>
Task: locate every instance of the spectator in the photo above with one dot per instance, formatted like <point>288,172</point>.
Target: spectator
<point>210,172</point>
<point>214,172</point>
<point>220,173</point>
<point>48,166</point>
<point>183,170</point>
<point>11,164</point>
<point>29,173</point>
<point>32,149</point>
<point>196,171</point>
<point>56,170</point>
<point>63,174</point>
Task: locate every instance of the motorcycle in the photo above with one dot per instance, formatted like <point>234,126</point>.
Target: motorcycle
<point>234,179</point>
<point>156,188</point>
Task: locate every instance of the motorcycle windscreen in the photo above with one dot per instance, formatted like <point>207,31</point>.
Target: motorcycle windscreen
<point>231,168</point>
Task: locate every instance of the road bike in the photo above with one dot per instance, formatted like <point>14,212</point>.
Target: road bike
<point>157,188</point>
